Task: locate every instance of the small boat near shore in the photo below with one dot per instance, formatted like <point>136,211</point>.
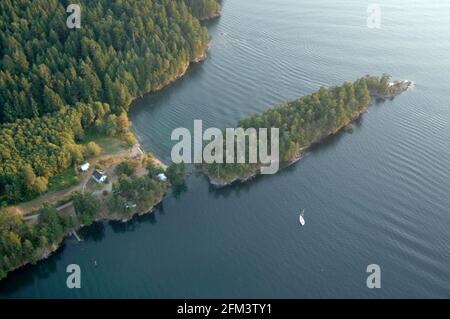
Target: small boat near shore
<point>301,219</point>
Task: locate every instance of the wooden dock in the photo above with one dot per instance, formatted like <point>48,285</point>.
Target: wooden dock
<point>74,233</point>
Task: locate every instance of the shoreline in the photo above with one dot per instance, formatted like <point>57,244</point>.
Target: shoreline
<point>198,60</point>
<point>50,250</point>
<point>211,17</point>
<point>398,87</point>
<point>104,216</point>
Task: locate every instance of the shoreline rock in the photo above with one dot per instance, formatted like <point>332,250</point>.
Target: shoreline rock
<point>211,17</point>
<point>396,88</point>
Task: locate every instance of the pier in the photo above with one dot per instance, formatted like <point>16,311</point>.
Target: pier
<point>74,233</point>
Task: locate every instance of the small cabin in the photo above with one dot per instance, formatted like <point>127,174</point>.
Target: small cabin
<point>85,167</point>
<point>162,177</point>
<point>99,176</point>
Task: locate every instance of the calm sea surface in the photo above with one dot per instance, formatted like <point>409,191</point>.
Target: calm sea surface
<point>377,195</point>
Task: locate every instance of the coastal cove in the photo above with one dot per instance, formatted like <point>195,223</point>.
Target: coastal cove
<point>376,193</point>
<point>56,209</point>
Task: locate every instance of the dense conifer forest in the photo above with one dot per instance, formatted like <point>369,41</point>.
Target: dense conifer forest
<point>57,82</point>
<point>204,9</point>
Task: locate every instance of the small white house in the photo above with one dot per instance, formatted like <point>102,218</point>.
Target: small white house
<point>99,176</point>
<point>162,177</point>
<point>85,167</point>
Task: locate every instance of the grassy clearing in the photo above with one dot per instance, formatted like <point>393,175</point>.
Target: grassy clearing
<point>66,179</point>
<point>109,145</point>
<point>93,186</point>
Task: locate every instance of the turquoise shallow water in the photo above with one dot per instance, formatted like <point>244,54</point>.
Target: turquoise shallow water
<point>379,194</point>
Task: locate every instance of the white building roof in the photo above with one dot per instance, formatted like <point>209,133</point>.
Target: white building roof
<point>162,177</point>
<point>99,176</point>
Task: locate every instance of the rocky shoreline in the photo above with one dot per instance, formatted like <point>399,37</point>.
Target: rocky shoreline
<point>396,88</point>
<point>211,17</point>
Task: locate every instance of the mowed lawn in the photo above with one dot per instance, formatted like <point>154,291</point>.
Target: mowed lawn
<point>109,145</point>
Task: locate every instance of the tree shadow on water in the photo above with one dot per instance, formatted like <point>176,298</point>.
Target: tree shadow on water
<point>236,189</point>
<point>95,232</point>
<point>178,190</point>
<point>160,208</point>
<point>239,188</point>
<point>120,227</point>
<point>134,223</point>
<point>27,275</point>
<point>147,218</point>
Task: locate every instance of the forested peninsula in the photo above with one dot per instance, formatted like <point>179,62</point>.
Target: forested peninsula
<point>59,88</point>
<point>306,121</point>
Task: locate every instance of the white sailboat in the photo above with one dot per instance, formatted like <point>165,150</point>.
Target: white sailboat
<point>301,219</point>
